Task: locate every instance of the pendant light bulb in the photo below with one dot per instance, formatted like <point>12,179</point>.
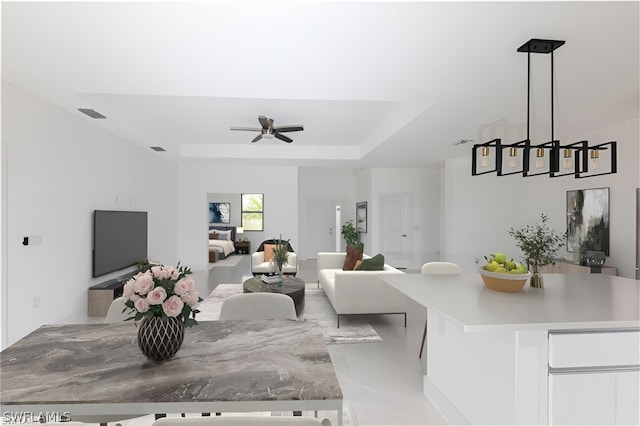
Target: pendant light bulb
<point>484,162</point>
<point>568,159</point>
<point>539,158</point>
<point>594,163</point>
<point>513,157</point>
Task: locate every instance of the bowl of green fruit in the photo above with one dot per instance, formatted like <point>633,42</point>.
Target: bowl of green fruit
<point>503,275</point>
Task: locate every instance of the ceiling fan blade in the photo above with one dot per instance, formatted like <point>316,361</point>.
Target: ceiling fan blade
<point>257,138</point>
<point>291,128</point>
<point>248,129</point>
<point>283,137</point>
<point>265,122</point>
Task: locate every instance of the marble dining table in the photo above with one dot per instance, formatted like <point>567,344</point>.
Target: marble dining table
<point>223,366</point>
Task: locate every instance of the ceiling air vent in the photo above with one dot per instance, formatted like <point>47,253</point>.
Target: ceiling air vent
<point>91,113</point>
<point>158,148</point>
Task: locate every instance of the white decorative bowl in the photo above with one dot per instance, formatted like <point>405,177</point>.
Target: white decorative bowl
<point>511,283</point>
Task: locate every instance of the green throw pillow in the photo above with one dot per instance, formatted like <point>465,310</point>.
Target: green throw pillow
<point>376,263</point>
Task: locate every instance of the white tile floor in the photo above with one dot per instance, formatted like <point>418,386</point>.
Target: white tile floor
<point>381,382</point>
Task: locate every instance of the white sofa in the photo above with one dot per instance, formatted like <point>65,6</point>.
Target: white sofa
<point>358,292</point>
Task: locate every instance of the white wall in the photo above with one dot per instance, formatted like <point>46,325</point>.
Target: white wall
<point>480,210</point>
<point>61,168</point>
<point>424,187</point>
<point>278,184</point>
<point>333,185</point>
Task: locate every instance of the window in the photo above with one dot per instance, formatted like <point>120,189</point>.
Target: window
<point>253,212</point>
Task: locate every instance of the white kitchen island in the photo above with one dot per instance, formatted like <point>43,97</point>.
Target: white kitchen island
<point>565,354</point>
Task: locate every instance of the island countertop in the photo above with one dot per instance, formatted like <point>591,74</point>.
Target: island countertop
<point>568,301</point>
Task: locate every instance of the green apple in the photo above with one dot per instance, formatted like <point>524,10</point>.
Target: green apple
<point>500,257</point>
<point>501,270</point>
<point>492,266</point>
<point>510,265</point>
<point>522,269</point>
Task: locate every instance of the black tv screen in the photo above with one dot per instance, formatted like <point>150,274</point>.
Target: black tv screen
<point>119,240</point>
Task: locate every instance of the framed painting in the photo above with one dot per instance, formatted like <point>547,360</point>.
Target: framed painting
<point>588,220</point>
<point>219,212</point>
<point>361,217</point>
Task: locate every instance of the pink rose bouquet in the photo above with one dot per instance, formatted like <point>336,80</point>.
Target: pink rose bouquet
<point>163,291</point>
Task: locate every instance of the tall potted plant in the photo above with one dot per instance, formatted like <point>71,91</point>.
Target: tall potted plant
<point>350,233</point>
<point>280,254</point>
<point>540,245</point>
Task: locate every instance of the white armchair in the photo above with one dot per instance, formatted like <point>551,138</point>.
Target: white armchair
<point>261,266</point>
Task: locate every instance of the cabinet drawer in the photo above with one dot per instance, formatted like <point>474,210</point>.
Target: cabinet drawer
<point>594,349</point>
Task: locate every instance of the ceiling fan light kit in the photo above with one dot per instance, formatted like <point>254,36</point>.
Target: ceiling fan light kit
<point>578,159</point>
<point>269,131</point>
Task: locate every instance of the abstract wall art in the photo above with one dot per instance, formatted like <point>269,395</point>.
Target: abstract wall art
<point>588,220</point>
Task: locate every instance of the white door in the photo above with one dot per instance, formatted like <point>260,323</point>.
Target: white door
<point>317,227</point>
<point>395,238</point>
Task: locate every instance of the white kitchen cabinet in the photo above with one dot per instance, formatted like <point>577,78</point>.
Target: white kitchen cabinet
<point>609,398</point>
<point>594,377</point>
<point>565,354</point>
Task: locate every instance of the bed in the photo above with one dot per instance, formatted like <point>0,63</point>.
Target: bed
<point>221,240</point>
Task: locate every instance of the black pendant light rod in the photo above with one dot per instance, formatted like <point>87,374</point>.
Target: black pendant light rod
<point>528,92</point>
<point>552,127</point>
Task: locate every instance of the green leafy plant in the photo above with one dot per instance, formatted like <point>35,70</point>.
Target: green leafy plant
<point>280,251</point>
<point>538,242</point>
<point>350,233</point>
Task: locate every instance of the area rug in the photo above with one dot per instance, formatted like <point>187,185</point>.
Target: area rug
<point>353,328</point>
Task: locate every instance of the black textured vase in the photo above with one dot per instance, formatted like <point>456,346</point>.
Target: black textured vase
<point>160,338</point>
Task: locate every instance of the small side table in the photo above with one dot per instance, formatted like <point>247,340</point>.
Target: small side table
<point>243,246</point>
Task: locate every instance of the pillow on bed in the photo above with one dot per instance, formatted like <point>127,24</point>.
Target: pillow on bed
<point>213,236</point>
<point>224,235</point>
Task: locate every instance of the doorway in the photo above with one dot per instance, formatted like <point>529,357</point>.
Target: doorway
<point>317,226</point>
<point>395,220</point>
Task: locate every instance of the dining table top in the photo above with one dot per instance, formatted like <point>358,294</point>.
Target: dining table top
<point>75,366</point>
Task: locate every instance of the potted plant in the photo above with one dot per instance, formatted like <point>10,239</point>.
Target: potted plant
<point>540,245</point>
<point>280,254</point>
<point>350,233</point>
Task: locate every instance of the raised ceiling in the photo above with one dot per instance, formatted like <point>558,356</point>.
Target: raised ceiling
<point>373,83</point>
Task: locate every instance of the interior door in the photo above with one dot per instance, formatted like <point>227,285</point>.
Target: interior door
<point>317,225</point>
<point>395,239</point>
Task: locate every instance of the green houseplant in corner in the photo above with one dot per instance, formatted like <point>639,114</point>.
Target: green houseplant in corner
<point>540,245</point>
<point>350,233</point>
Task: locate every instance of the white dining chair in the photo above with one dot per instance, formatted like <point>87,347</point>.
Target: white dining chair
<point>115,312</point>
<point>433,268</point>
<point>441,268</point>
<point>258,306</point>
<point>240,421</point>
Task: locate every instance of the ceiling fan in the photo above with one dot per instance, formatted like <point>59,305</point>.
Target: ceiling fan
<point>268,130</point>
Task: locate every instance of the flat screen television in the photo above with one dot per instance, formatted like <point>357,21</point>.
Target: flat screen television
<point>119,240</point>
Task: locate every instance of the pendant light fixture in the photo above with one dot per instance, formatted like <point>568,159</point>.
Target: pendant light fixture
<point>548,158</point>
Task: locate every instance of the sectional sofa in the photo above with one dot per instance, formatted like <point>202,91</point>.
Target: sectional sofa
<point>358,292</point>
